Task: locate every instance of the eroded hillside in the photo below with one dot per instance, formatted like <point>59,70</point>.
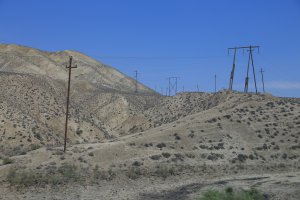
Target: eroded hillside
<point>164,147</point>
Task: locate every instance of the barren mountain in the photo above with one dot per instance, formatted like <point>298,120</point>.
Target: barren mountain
<point>126,145</point>
<point>33,96</point>
<point>90,73</point>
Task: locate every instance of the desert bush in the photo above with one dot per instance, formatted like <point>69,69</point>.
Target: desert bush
<point>148,145</point>
<point>284,156</point>
<point>7,161</point>
<point>91,154</point>
<point>215,156</point>
<point>164,171</point>
<point>191,135</point>
<point>211,120</point>
<point>242,157</point>
<point>134,173</point>
<point>227,116</point>
<point>177,137</point>
<point>103,174</point>
<point>178,156</point>
<point>137,163</point>
<point>161,145</point>
<point>190,155</point>
<point>155,157</point>
<point>81,159</point>
<point>34,147</point>
<point>17,151</point>
<point>58,152</point>
<point>229,194</point>
<point>78,131</point>
<point>63,174</point>
<point>166,154</point>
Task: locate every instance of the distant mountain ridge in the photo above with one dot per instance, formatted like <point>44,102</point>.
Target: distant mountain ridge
<point>92,73</point>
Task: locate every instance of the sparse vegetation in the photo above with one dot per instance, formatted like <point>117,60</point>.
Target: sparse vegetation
<point>229,194</point>
<point>224,133</point>
<point>155,157</point>
<point>7,161</point>
<point>63,174</point>
<point>134,172</point>
<point>164,171</point>
<point>166,154</point>
<point>34,147</point>
<point>100,174</point>
<point>91,154</point>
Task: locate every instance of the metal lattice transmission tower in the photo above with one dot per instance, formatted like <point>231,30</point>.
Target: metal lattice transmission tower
<point>250,49</point>
<point>173,83</point>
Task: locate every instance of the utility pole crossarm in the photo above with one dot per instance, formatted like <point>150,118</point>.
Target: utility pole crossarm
<point>244,47</point>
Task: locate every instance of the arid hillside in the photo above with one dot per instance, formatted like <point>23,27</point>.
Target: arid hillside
<point>90,74</point>
<point>127,145</point>
<point>33,98</point>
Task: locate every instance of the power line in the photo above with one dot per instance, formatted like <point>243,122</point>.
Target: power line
<point>157,57</point>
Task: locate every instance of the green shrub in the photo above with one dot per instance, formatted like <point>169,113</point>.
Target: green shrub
<point>34,147</point>
<point>134,173</point>
<point>229,194</point>
<point>164,171</point>
<point>99,174</point>
<point>24,178</point>
<point>7,161</point>
<point>65,173</point>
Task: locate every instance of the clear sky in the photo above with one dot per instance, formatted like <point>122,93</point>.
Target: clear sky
<point>163,38</point>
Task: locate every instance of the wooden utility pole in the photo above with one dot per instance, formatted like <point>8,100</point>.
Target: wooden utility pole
<point>136,81</point>
<point>68,100</point>
<point>215,83</point>
<point>169,86</point>
<point>262,79</point>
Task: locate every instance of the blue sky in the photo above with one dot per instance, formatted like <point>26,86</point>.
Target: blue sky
<point>162,38</point>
